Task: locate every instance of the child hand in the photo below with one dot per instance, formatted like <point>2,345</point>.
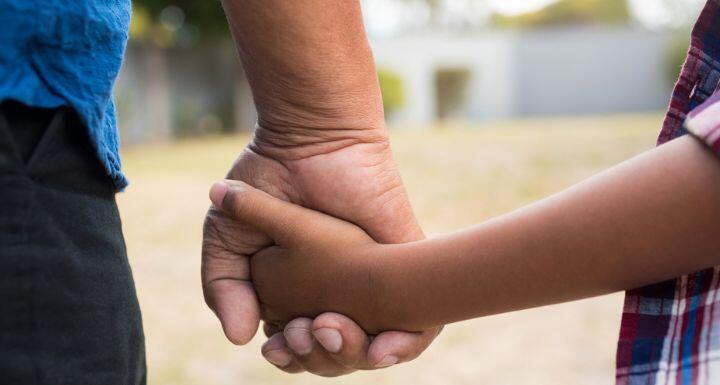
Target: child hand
<point>318,263</point>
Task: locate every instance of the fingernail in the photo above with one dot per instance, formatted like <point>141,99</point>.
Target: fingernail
<point>299,340</point>
<point>330,339</point>
<point>387,361</point>
<point>278,357</point>
<point>217,193</point>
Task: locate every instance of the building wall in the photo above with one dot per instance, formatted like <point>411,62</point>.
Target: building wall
<point>417,58</point>
<point>590,71</point>
<point>572,70</point>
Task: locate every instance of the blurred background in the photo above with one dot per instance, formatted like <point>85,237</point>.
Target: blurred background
<point>491,104</point>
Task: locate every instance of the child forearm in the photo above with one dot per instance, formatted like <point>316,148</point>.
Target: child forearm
<point>651,218</point>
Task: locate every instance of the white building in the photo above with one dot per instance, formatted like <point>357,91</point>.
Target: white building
<point>572,70</point>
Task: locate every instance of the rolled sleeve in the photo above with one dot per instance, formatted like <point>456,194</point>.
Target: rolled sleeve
<point>704,122</point>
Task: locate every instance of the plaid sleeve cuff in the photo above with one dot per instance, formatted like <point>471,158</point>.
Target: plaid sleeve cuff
<point>704,122</point>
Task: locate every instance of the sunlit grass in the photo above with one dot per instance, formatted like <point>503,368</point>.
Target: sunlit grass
<point>456,175</point>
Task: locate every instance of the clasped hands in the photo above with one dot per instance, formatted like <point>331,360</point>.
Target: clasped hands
<point>316,262</point>
<point>243,256</point>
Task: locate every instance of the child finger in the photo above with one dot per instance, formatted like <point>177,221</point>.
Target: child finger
<point>343,339</point>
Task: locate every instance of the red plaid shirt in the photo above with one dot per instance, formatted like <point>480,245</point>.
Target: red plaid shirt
<point>670,332</point>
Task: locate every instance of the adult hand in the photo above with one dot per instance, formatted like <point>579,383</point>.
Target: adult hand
<point>350,177</point>
<point>320,143</point>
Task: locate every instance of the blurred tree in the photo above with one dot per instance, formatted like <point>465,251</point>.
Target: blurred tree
<point>676,53</point>
<point>392,89</point>
<point>570,12</point>
<point>177,22</point>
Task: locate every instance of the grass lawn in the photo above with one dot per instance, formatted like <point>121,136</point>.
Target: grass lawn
<point>456,176</point>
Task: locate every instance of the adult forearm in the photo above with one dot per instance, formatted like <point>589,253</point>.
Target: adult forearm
<point>310,68</point>
<point>652,218</point>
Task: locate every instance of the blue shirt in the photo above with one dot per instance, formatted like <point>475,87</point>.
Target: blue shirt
<point>67,53</point>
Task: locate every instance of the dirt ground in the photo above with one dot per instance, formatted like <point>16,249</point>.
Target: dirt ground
<point>456,175</point>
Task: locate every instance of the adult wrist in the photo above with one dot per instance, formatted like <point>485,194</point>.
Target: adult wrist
<point>319,111</point>
<point>291,142</point>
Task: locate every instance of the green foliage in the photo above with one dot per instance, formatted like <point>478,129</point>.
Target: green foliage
<point>177,22</point>
<point>676,54</point>
<point>570,12</point>
<point>392,89</point>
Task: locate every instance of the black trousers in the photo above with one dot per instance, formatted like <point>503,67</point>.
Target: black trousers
<point>68,309</point>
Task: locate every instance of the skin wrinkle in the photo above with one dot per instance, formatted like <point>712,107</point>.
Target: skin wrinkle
<point>228,273</point>
<point>295,143</point>
<point>376,132</point>
<point>387,198</point>
<point>300,152</point>
<point>281,188</point>
<point>294,91</point>
<point>222,273</point>
<point>377,212</point>
<point>228,241</point>
<point>392,189</point>
<point>325,131</point>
